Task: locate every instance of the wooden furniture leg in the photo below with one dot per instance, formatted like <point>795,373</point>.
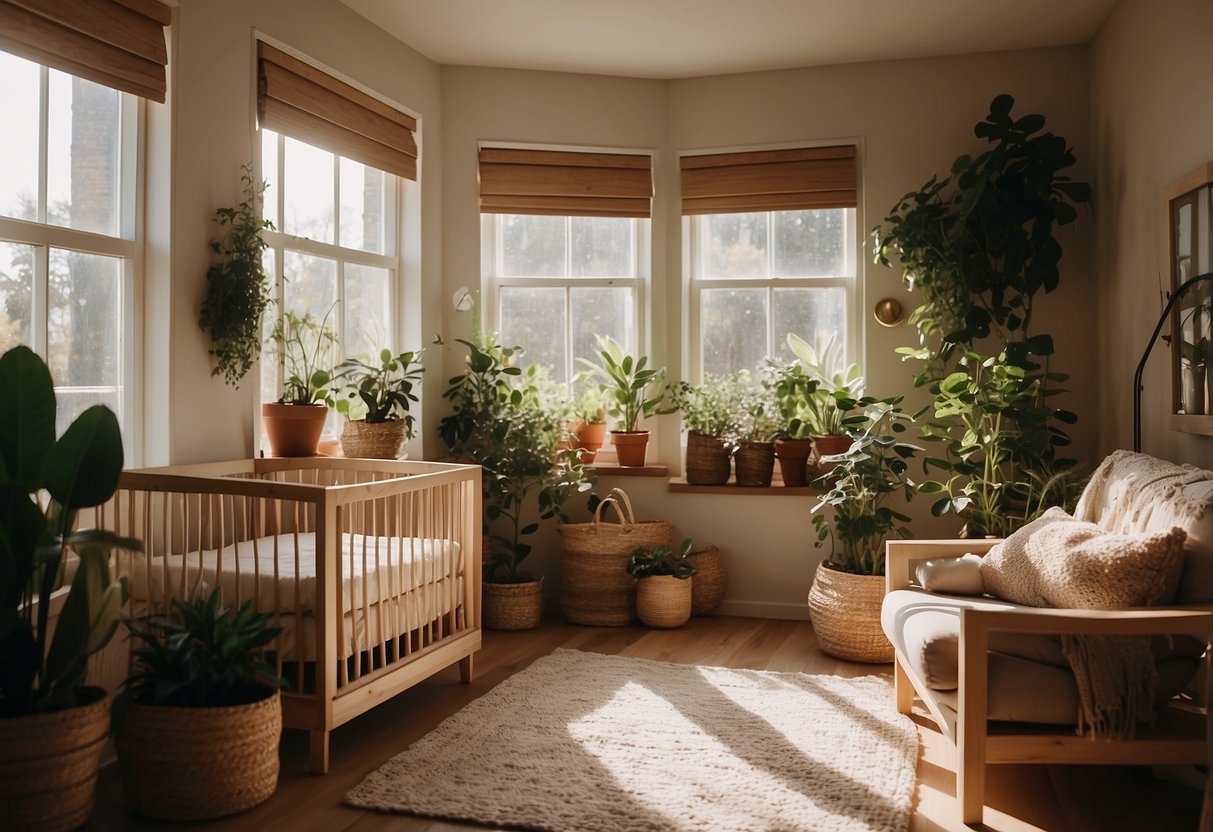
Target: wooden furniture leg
<point>318,751</point>
<point>903,688</point>
<point>972,721</point>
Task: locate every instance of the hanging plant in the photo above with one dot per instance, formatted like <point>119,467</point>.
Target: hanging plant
<point>237,290</point>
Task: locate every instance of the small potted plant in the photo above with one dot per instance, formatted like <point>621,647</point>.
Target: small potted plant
<point>589,422</point>
<point>305,347</point>
<point>754,459</point>
<point>838,393</point>
<point>634,391</point>
<point>790,388</point>
<point>199,721</point>
<point>52,727</point>
<point>376,403</point>
<point>711,414</point>
<point>663,584</point>
<point>845,599</point>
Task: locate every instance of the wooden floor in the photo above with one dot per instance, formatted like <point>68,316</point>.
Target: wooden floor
<point>1019,798</point>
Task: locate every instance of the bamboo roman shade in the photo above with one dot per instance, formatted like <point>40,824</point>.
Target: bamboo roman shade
<point>565,183</point>
<point>308,104</point>
<point>118,43</point>
<point>769,180</point>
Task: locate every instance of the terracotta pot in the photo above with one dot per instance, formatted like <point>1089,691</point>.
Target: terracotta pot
<point>630,446</point>
<point>664,601</point>
<point>845,610</point>
<point>828,446</point>
<point>793,455</point>
<point>293,429</point>
<point>373,440</point>
<point>590,436</point>
<point>708,461</point>
<point>755,464</point>
<point>513,606</point>
<point>49,764</point>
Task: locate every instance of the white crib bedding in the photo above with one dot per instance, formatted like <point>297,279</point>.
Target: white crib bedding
<point>373,568</point>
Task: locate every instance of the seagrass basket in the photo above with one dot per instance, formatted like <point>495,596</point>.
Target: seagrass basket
<point>845,610</point>
<point>373,440</point>
<point>711,581</point>
<point>595,587</point>
<point>199,763</point>
<point>664,601</point>
<point>708,461</point>
<point>755,464</point>
<point>513,606</point>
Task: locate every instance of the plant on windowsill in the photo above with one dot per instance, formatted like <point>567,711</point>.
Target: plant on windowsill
<point>237,290</point>
<point>198,725</point>
<point>305,346</point>
<point>711,413</point>
<point>589,422</point>
<point>663,588</point>
<point>754,459</point>
<point>838,394</point>
<point>790,388</point>
<point>47,715</point>
<point>847,590</point>
<point>376,403</point>
<point>633,390</point>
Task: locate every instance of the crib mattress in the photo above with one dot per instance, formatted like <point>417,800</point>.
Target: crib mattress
<point>280,571</point>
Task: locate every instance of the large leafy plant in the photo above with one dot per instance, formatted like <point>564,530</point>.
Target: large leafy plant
<point>633,389</point>
<point>838,386</point>
<point>44,482</point>
<point>381,392</point>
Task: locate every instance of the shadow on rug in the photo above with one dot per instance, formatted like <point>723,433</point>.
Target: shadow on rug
<point>582,742</point>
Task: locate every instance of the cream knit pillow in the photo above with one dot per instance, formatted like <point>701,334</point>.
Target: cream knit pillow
<point>1058,561</point>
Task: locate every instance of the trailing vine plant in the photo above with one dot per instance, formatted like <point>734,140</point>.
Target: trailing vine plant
<point>237,290</point>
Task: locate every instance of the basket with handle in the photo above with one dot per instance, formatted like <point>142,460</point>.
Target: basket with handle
<point>595,587</point>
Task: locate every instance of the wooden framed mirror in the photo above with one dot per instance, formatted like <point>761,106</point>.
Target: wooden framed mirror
<point>1189,206</point>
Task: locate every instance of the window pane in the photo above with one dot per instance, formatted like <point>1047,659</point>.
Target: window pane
<point>535,320</point>
<point>808,313</point>
<point>733,329</point>
<point>310,285</point>
<point>363,195</point>
<point>809,243</point>
<point>16,295</point>
<point>602,247</point>
<point>735,245</point>
<point>308,208</point>
<point>269,173</point>
<point>532,246</point>
<point>82,155</point>
<point>84,319</point>
<point>601,311</point>
<point>269,366</point>
<point>367,311</point>
<point>19,137</point>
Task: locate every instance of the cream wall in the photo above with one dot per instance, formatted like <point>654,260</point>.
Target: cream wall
<point>1152,122</point>
<point>911,118</point>
<point>198,144</point>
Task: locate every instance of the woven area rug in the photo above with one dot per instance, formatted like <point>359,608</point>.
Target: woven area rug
<point>583,742</point>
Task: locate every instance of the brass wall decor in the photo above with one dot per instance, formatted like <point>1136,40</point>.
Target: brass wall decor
<point>888,312</point>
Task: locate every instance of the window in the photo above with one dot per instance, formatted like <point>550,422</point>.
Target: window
<point>771,248</point>
<point>68,246</point>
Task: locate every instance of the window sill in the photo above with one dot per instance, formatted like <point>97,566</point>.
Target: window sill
<point>613,470</point>
<point>679,485</point>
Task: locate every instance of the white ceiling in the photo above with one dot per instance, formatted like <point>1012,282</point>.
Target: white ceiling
<point>689,38</point>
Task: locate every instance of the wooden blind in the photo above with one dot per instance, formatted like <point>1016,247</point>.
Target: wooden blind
<point>118,43</point>
<point>769,180</point>
<point>565,183</point>
<point>303,102</point>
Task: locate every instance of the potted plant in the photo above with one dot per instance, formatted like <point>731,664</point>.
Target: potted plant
<point>237,290</point>
<point>711,413</point>
<point>634,391</point>
<point>376,403</point>
<point>589,422</point>
<point>754,459</point>
<point>501,423</point>
<point>837,393</point>
<point>52,728</point>
<point>663,584</point>
<point>198,724</point>
<point>304,345</point>
<point>848,587</point>
<point>790,388</point>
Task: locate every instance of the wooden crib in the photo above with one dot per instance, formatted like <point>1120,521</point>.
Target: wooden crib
<point>371,567</point>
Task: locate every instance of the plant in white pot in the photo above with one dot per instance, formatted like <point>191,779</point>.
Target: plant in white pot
<point>376,403</point>
<point>198,726</point>
<point>663,588</point>
<point>634,391</point>
<point>305,348</point>
<point>52,728</point>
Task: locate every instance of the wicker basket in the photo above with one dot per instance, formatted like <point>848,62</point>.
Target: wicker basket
<point>711,581</point>
<point>513,606</point>
<point>595,587</point>
<point>199,763</point>
<point>755,464</point>
<point>707,460</point>
<point>48,766</point>
<point>373,440</point>
<point>845,610</point>
<point>664,601</point>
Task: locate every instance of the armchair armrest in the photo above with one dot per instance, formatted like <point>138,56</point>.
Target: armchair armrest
<point>901,554</point>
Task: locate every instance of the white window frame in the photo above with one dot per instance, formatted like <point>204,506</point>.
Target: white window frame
<point>127,246</point>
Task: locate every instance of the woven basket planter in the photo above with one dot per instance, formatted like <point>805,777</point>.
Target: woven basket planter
<point>793,456</point>
<point>48,766</point>
<point>755,464</point>
<point>664,601</point>
<point>708,460</point>
<point>199,763</point>
<point>845,610</point>
<point>513,606</point>
<point>373,440</point>
<point>710,581</point>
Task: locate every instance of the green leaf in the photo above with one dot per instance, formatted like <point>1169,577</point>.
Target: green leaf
<point>27,421</point>
<point>82,468</point>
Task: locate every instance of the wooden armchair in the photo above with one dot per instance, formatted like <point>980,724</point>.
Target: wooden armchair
<point>1183,734</point>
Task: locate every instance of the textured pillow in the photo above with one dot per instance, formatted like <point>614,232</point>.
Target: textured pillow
<point>1058,561</point>
<point>956,576</point>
